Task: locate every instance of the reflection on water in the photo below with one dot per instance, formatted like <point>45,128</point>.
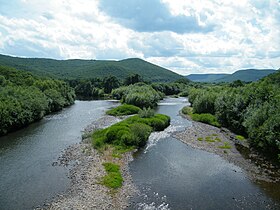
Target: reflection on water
<point>27,177</point>
<point>172,175</point>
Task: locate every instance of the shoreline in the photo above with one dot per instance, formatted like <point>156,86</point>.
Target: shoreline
<point>202,136</point>
<point>85,191</point>
<point>86,169</point>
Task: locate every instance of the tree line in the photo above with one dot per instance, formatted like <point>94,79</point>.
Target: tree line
<point>25,98</point>
<point>251,109</point>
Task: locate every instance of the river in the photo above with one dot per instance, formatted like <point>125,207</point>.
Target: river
<point>27,176</point>
<point>168,173</point>
<point>172,175</point>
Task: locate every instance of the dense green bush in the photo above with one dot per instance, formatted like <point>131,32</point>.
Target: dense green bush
<point>133,131</point>
<point>206,118</point>
<point>139,94</point>
<point>249,109</point>
<point>124,109</point>
<point>25,98</point>
<point>146,112</point>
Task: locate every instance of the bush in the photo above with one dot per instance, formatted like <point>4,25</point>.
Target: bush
<point>124,109</point>
<point>139,94</point>
<point>187,110</point>
<point>206,118</point>
<point>132,132</point>
<point>146,112</point>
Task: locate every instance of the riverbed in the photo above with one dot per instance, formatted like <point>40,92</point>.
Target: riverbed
<point>167,173</point>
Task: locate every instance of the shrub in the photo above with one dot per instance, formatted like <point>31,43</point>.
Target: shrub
<point>124,109</point>
<point>146,112</point>
<point>187,110</point>
<point>131,132</point>
<point>206,118</point>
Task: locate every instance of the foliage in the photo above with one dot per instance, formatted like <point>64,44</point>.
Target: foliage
<point>146,112</point>
<point>133,79</point>
<point>124,109</point>
<point>240,138</point>
<point>131,132</point>
<point>113,179</point>
<point>206,118</point>
<point>139,94</point>
<point>251,109</point>
<point>110,83</point>
<point>25,98</point>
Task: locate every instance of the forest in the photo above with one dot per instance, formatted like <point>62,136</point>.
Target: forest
<point>25,98</point>
<point>252,110</point>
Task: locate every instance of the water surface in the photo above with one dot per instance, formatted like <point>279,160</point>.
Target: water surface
<point>27,177</point>
<point>172,175</point>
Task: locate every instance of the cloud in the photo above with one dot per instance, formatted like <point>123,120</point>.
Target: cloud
<point>184,36</point>
<point>150,16</point>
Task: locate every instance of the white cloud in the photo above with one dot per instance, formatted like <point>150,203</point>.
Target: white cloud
<point>244,34</point>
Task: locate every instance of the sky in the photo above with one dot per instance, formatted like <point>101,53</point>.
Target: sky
<point>185,36</point>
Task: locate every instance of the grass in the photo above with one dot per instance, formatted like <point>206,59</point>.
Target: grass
<point>225,146</point>
<point>209,139</point>
<point>113,179</point>
<point>124,109</point>
<point>204,117</point>
<point>240,138</point>
<point>199,139</point>
<point>119,150</point>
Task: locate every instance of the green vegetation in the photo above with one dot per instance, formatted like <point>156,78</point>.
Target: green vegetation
<point>246,75</point>
<point>209,139</point>
<point>206,118</point>
<point>113,179</point>
<point>225,146</point>
<point>131,132</point>
<point>25,98</point>
<point>240,138</point>
<point>124,109</point>
<point>146,113</point>
<point>251,110</point>
<point>89,69</point>
<point>140,94</point>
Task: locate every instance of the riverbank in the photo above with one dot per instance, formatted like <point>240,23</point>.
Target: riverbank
<point>225,144</point>
<point>86,171</point>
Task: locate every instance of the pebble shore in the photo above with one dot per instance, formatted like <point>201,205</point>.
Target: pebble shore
<point>86,171</point>
<point>239,154</point>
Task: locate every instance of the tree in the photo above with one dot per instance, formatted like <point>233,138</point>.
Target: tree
<point>110,83</point>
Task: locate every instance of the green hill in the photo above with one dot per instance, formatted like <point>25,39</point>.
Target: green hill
<point>246,75</point>
<point>85,69</point>
<point>205,77</point>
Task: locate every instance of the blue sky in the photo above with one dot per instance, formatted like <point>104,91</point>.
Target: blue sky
<point>191,36</point>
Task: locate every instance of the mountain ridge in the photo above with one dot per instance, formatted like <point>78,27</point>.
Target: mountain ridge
<point>246,75</point>
<point>85,69</point>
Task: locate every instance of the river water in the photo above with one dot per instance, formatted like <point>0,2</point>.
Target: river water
<point>171,175</point>
<point>168,173</point>
<point>27,177</point>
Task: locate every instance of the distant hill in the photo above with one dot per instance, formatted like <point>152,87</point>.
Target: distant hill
<point>84,69</point>
<point>205,77</point>
<point>246,75</point>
